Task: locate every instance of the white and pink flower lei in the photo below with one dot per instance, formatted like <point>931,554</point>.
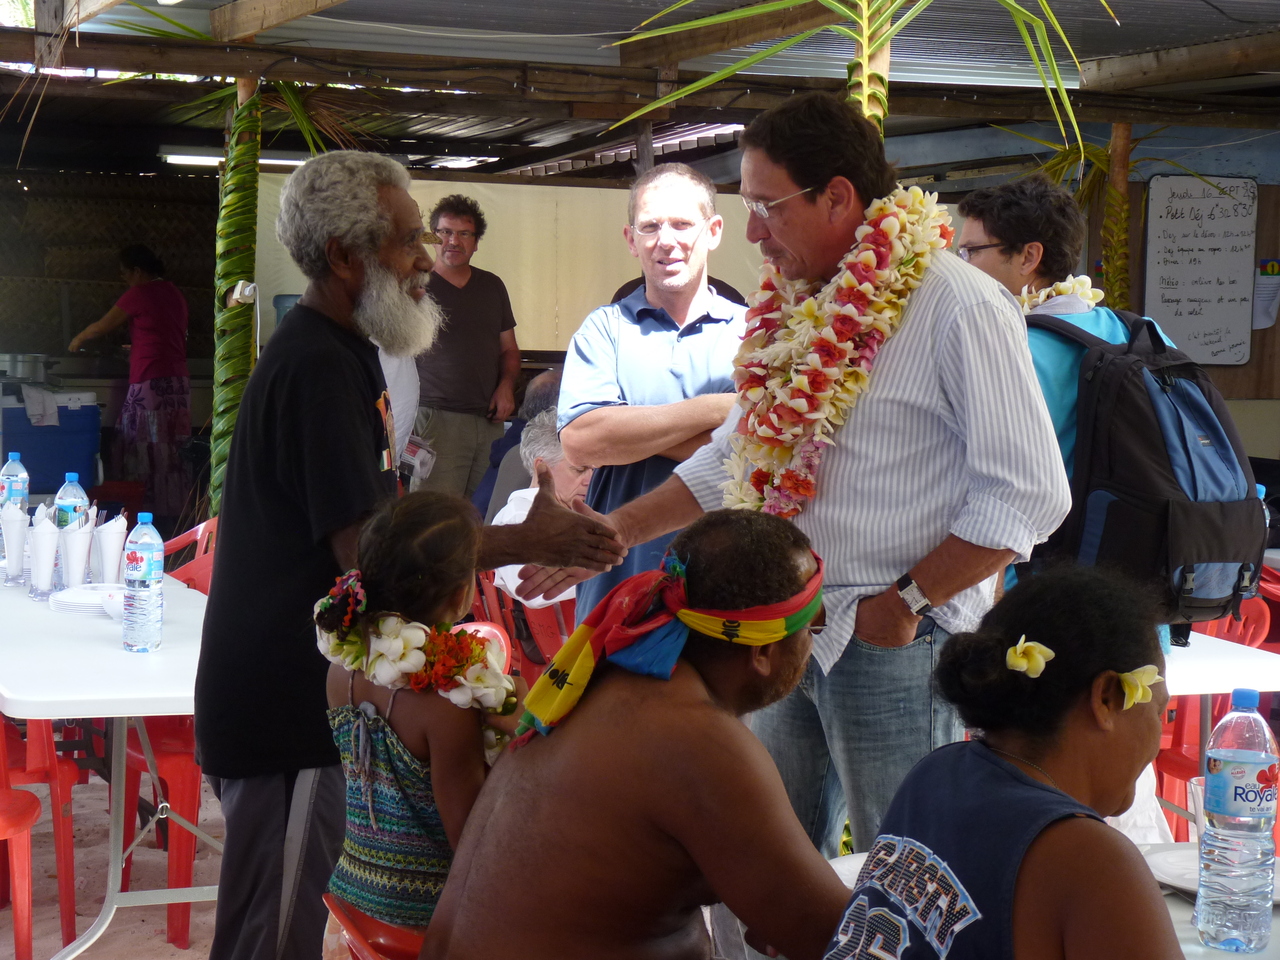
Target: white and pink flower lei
<point>808,352</point>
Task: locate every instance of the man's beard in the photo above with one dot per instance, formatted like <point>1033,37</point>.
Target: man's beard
<point>387,313</point>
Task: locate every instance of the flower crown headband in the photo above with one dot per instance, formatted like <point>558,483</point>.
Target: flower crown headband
<point>1029,657</point>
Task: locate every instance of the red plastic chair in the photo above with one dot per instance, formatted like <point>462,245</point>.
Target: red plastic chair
<point>550,626</point>
<point>493,631</point>
<point>370,939</point>
<point>173,745</point>
<point>35,760</point>
<point>19,811</point>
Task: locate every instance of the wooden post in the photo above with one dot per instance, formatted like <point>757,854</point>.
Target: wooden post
<point>644,147</point>
<point>1115,221</point>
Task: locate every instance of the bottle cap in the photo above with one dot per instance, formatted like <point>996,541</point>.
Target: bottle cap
<point>15,456</point>
<point>146,518</point>
<point>1242,698</point>
<point>72,477</point>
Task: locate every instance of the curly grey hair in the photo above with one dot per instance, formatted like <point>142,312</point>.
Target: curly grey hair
<point>540,440</point>
<point>336,195</point>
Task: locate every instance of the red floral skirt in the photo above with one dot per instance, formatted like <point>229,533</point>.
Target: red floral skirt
<point>154,422</point>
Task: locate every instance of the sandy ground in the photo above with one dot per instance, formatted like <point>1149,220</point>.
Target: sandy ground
<point>135,933</point>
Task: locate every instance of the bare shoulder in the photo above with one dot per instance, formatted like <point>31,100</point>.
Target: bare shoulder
<point>1084,891</point>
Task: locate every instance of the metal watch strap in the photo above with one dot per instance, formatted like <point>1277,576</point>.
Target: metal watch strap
<point>915,599</point>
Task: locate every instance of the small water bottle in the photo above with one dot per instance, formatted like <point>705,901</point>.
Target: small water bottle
<point>1237,852</point>
<point>14,481</point>
<point>143,591</point>
<point>14,485</point>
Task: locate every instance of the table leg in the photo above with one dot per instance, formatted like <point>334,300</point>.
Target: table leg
<point>1206,714</point>
<point>115,856</point>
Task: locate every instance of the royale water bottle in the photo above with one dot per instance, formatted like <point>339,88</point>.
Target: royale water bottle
<point>14,481</point>
<point>69,504</point>
<point>14,484</point>
<point>143,593</point>
<point>1237,853</point>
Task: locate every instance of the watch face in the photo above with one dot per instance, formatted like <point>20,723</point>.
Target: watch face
<point>914,597</point>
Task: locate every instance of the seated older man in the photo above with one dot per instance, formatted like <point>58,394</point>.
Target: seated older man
<point>648,797</point>
<point>540,443</point>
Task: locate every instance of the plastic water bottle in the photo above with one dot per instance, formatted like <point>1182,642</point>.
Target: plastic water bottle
<point>69,504</point>
<point>1237,853</point>
<point>143,592</point>
<point>14,481</point>
<point>14,484</point>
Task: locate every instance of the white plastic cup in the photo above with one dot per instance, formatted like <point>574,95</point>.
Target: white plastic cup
<point>15,522</point>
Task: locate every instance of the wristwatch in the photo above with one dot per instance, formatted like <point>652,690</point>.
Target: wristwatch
<point>913,596</point>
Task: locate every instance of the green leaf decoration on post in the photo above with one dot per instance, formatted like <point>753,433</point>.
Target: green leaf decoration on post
<point>233,332</point>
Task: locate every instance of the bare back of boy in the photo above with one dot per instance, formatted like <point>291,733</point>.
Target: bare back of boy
<point>604,839</point>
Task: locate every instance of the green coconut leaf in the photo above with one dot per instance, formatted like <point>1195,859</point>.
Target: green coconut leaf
<point>728,16</point>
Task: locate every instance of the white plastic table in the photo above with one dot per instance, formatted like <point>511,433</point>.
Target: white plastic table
<point>57,665</point>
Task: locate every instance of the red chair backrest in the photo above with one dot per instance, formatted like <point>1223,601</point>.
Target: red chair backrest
<point>548,627</point>
<point>1251,629</point>
<point>202,535</point>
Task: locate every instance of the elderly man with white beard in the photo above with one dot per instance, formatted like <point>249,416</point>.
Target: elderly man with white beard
<point>310,459</point>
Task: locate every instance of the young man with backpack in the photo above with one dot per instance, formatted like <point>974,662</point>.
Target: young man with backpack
<point>1176,504</point>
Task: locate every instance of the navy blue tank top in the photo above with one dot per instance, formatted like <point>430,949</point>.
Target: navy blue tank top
<point>939,880</point>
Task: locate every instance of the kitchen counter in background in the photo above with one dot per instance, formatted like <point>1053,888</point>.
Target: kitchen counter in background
<point>108,377</point>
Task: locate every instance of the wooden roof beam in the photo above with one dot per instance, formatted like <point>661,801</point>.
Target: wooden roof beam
<point>245,18</point>
<point>77,12</point>
<point>1201,61</point>
<point>672,48</point>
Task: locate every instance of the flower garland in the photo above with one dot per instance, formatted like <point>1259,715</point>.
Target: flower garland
<point>807,353</point>
<point>1081,287</point>
<point>464,668</point>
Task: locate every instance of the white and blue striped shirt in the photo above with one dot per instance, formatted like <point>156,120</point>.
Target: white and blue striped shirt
<point>951,437</point>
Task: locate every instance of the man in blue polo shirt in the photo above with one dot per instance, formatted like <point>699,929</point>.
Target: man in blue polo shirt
<point>648,378</point>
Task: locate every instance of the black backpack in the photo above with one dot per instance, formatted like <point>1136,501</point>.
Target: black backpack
<point>1162,488</point>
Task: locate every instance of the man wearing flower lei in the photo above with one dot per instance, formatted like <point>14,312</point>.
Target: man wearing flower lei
<point>887,403</point>
<point>638,794</point>
<point>1028,236</point>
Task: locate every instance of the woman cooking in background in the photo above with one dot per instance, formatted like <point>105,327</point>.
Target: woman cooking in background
<point>156,415</point>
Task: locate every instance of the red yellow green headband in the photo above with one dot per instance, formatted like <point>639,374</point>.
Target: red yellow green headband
<point>642,626</point>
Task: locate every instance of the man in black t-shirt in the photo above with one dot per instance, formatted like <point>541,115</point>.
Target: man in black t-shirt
<point>467,379</point>
<point>310,459</point>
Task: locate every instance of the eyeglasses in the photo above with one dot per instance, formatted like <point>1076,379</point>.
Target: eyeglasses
<point>968,250</point>
<point>681,228</point>
<point>761,208</point>
<point>445,234</point>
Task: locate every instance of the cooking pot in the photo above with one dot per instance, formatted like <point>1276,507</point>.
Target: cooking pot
<point>30,367</point>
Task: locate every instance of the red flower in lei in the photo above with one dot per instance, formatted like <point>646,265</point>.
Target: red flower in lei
<point>450,654</point>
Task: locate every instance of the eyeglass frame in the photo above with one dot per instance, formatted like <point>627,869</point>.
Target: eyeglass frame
<point>444,233</point>
<point>689,232</point>
<point>966,251</point>
<point>761,208</point>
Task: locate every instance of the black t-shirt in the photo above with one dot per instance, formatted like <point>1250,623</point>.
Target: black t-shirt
<point>462,368</point>
<point>311,454</point>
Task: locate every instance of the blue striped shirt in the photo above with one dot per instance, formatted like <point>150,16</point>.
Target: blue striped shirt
<point>951,437</point>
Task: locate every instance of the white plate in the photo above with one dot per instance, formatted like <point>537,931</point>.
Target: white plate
<point>1178,867</point>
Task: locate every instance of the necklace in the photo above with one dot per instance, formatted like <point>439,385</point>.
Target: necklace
<point>1081,287</point>
<point>1033,766</point>
<point>809,348</point>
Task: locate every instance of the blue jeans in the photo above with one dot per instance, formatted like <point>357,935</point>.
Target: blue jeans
<point>845,741</point>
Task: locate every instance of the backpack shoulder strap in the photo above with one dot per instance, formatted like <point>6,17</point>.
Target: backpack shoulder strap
<point>1065,329</point>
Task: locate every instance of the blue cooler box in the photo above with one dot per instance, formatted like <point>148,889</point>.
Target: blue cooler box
<point>49,453</point>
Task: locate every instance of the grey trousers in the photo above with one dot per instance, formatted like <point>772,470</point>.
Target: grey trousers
<point>284,835</point>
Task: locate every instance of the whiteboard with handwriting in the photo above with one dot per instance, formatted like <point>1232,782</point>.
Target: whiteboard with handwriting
<point>1200,264</point>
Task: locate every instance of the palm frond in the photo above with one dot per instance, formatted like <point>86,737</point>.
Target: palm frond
<point>728,16</point>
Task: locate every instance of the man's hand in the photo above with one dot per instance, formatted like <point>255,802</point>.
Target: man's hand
<point>503,402</point>
<point>557,536</point>
<point>549,582</point>
<point>885,621</point>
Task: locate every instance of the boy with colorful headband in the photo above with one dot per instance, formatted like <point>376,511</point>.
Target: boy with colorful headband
<point>649,797</point>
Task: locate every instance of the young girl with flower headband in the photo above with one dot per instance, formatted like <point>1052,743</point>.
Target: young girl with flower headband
<point>409,698</point>
<point>1061,688</point>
